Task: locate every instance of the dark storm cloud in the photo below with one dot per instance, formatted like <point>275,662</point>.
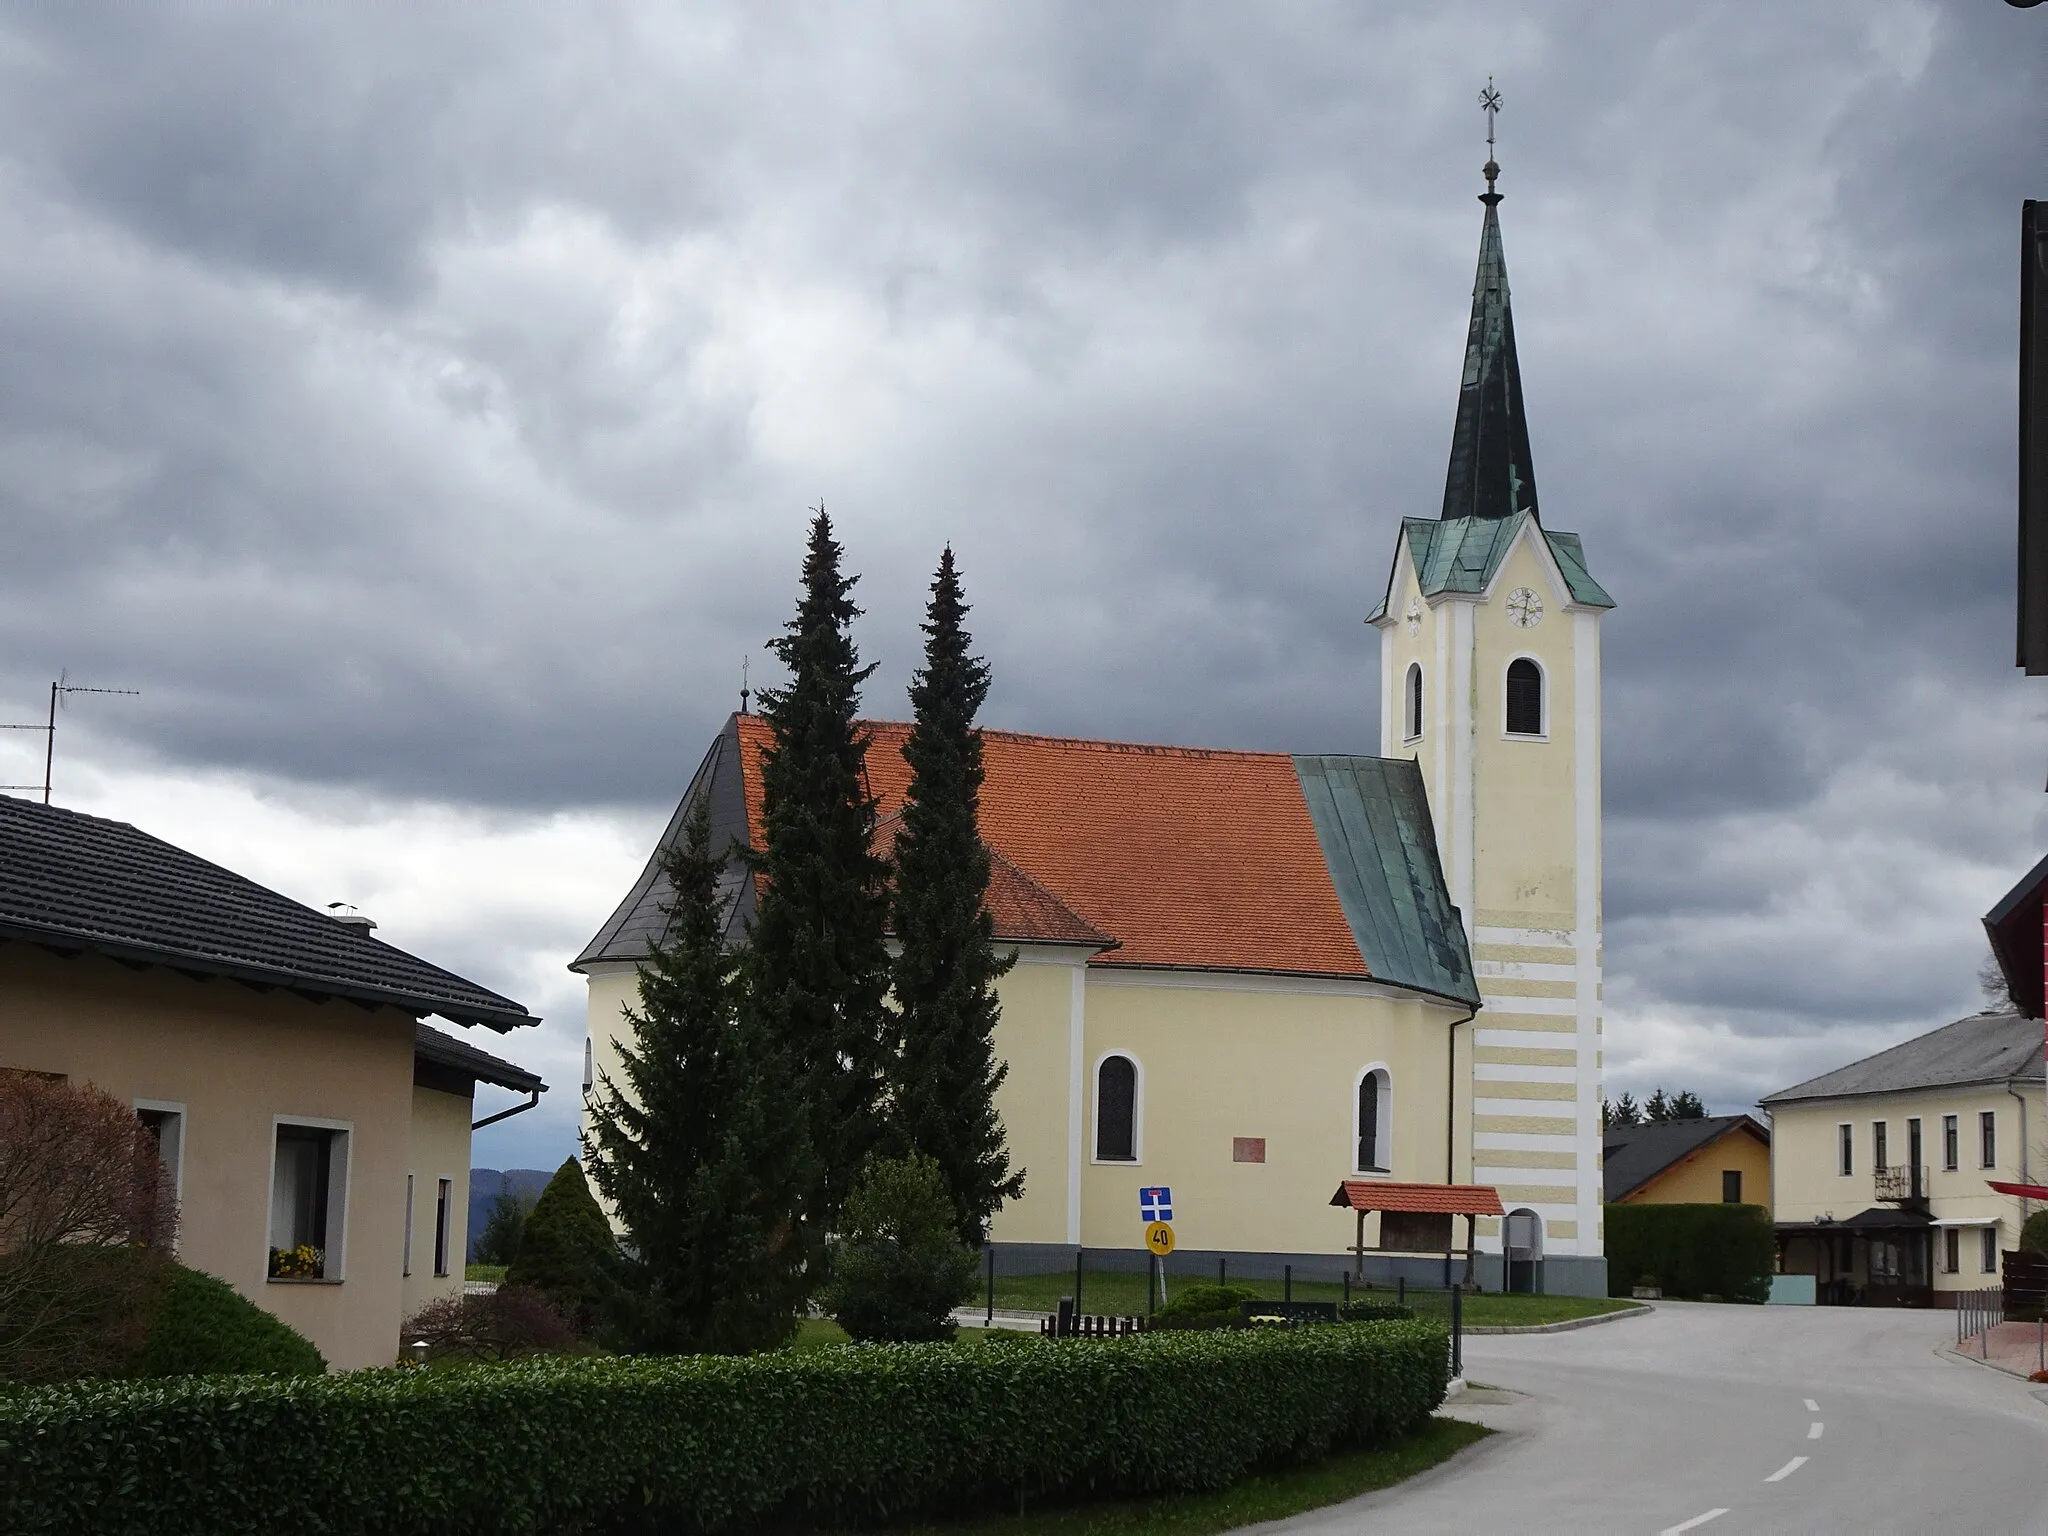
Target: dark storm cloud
<point>427,402</point>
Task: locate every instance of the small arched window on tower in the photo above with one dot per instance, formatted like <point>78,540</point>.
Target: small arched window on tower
<point>1525,698</point>
<point>1116,1110</point>
<point>1374,1123</point>
<point>1412,724</point>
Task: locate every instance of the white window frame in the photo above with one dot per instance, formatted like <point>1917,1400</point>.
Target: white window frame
<point>1384,1137</point>
<point>1951,1143</point>
<point>1880,1146</point>
<point>1845,1150</point>
<point>444,1227</point>
<point>1413,702</point>
<point>1543,698</point>
<point>1952,1250</point>
<point>405,1257</point>
<point>1137,1157</point>
<point>1987,1120</point>
<point>342,1153</point>
<point>1987,1250</point>
<point>167,1107</point>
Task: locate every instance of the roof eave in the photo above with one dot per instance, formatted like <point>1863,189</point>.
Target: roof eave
<point>416,1004</point>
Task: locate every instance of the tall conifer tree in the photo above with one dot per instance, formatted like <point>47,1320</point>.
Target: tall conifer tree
<point>702,1152</point>
<point>817,961</point>
<point>947,964</point>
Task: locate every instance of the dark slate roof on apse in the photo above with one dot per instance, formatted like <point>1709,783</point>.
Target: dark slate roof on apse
<point>77,881</point>
<point>444,1050</point>
<point>1634,1155</point>
<point>1372,819</point>
<point>1990,1047</point>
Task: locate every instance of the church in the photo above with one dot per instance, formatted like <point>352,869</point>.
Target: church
<point>1254,977</point>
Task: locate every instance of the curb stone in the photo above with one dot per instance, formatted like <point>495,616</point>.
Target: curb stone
<point>1569,1323</point>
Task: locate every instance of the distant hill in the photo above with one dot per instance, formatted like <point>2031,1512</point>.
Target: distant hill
<point>486,1184</point>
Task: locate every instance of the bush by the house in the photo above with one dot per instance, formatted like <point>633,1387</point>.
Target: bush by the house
<point>901,1269</point>
<point>2034,1234</point>
<point>567,1251</point>
<point>506,1324</point>
<point>1373,1311</point>
<point>504,1225</point>
<point>705,1443</point>
<point>1692,1251</point>
<point>1205,1306</point>
<point>85,1209</point>
<point>202,1325</point>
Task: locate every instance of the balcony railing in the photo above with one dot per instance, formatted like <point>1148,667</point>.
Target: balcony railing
<point>1902,1185</point>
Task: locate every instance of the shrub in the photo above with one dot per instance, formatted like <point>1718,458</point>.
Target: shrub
<point>1693,1250</point>
<point>203,1325</point>
<point>567,1251</point>
<point>1205,1306</point>
<point>82,1191</point>
<point>511,1322</point>
<point>901,1269</point>
<point>2034,1235</point>
<point>707,1443</point>
<point>1373,1311</point>
<point>505,1224</point>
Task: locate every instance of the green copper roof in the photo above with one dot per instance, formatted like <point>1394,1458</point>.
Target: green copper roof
<point>1491,473</point>
<point>1463,554</point>
<point>1372,821</point>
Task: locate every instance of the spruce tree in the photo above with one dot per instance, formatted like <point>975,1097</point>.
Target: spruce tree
<point>817,966</point>
<point>946,966</point>
<point>701,1150</point>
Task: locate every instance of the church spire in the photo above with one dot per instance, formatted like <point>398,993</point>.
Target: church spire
<point>1490,475</point>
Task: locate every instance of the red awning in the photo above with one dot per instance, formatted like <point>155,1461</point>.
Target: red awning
<point>1436,1199</point>
<point>2024,1191</point>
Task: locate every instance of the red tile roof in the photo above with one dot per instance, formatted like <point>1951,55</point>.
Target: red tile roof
<point>1019,906</point>
<point>1187,857</point>
<point>1436,1199</point>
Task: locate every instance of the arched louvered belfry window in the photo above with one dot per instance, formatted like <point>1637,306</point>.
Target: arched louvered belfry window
<point>1116,1110</point>
<point>1413,724</point>
<point>1375,1111</point>
<point>1525,698</point>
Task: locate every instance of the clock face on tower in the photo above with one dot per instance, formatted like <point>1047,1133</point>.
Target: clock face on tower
<point>1525,608</point>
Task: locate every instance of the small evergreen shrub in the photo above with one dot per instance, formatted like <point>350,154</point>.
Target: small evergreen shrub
<point>204,1326</point>
<point>2034,1235</point>
<point>706,1443</point>
<point>1205,1306</point>
<point>1695,1251</point>
<point>567,1251</point>
<point>901,1269</point>
<point>1373,1311</point>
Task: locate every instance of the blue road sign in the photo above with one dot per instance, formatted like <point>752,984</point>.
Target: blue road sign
<point>1155,1204</point>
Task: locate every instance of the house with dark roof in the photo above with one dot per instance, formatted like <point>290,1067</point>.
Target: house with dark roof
<point>1881,1169</point>
<point>316,1129</point>
<point>1251,975</point>
<point>1718,1158</point>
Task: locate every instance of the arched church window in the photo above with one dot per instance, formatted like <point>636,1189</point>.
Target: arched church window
<point>1413,725</point>
<point>1116,1110</point>
<point>1525,698</point>
<point>1375,1121</point>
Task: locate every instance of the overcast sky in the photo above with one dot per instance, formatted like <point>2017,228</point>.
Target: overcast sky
<point>420,406</point>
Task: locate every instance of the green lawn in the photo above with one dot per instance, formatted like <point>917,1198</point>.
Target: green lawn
<point>495,1273</point>
<point>1271,1496</point>
<point>1120,1294</point>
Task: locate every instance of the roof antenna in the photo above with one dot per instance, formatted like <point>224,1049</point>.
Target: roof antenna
<point>59,690</point>
<point>1489,103</point>
<point>745,692</point>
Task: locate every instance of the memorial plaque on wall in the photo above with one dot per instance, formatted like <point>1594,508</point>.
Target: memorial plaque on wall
<point>1415,1231</point>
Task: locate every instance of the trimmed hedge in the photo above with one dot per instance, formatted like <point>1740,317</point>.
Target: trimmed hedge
<point>1692,1251</point>
<point>203,1325</point>
<point>705,1443</point>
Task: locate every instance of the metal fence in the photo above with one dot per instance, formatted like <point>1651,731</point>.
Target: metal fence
<point>1030,1287</point>
<point>1977,1313</point>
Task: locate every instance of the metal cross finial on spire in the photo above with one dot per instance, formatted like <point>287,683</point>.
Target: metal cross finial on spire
<point>1489,103</point>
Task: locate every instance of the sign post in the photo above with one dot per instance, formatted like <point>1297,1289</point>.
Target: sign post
<point>1155,1209</point>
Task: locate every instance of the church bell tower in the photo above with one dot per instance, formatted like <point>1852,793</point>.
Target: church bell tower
<point>1490,681</point>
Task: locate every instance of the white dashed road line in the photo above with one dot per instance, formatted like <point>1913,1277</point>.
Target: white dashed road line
<point>1693,1523</point>
<point>1786,1470</point>
<point>1812,1406</point>
<point>1813,1430</point>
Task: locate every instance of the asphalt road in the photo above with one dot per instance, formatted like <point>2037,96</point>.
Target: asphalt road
<point>1730,1419</point>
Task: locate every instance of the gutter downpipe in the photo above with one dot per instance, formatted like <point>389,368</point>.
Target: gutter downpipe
<point>2026,1177</point>
<point>1451,1131</point>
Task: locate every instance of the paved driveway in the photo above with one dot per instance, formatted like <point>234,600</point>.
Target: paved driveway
<point>1731,1419</point>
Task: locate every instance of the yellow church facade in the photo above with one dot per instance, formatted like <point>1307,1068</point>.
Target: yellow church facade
<point>1250,976</point>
